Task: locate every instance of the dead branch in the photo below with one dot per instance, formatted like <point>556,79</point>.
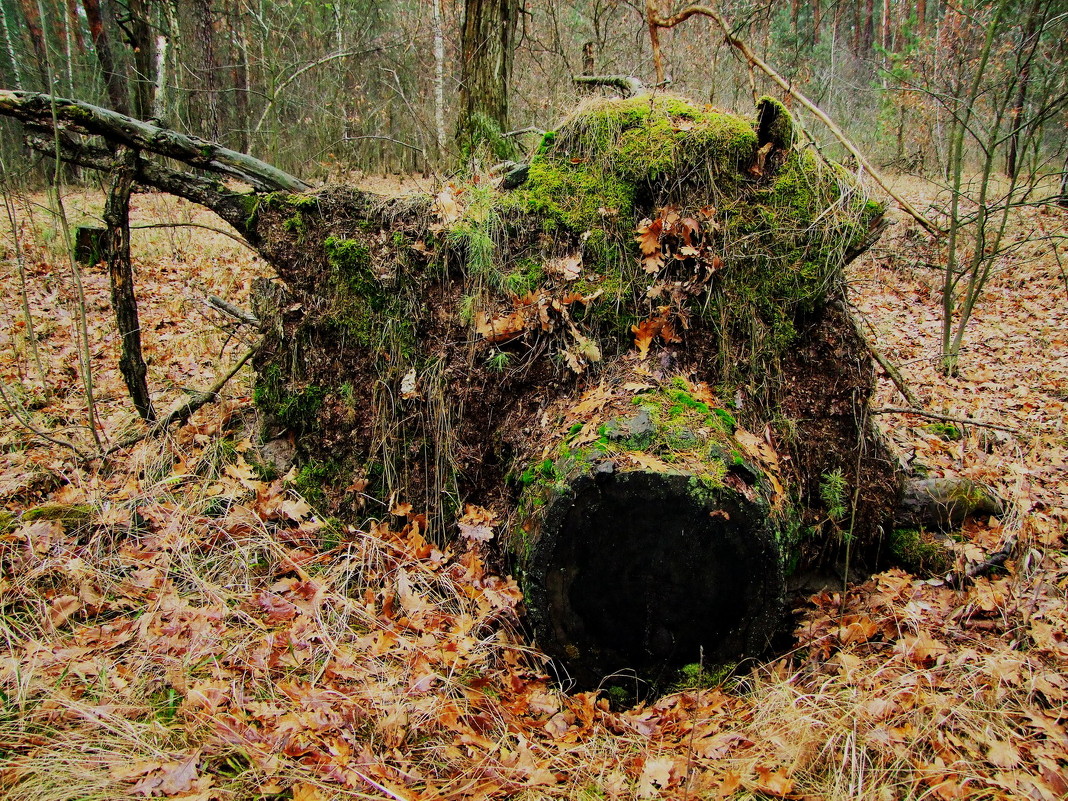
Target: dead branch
<point>42,110</point>
<point>211,228</point>
<point>945,418</point>
<point>958,578</point>
<point>37,432</point>
<point>237,313</point>
<point>229,205</point>
<point>895,376</point>
<point>183,411</point>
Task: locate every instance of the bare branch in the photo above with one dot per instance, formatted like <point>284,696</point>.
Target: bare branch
<point>759,63</point>
<point>40,110</point>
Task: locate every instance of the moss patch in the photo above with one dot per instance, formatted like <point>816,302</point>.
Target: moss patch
<point>71,516</point>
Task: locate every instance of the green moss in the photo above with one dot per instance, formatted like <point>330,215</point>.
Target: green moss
<point>919,551</point>
<point>7,521</point>
<point>946,431</point>
<point>71,516</point>
<point>572,197</point>
<point>314,476</point>
<point>291,409</point>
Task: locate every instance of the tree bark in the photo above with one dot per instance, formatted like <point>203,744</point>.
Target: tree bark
<point>37,108</point>
<point>487,50</point>
<point>114,80</point>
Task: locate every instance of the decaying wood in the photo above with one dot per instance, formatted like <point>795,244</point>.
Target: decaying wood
<point>941,504</point>
<point>234,311</point>
<point>120,271</point>
<point>371,365</point>
<point>628,85</point>
<point>40,109</point>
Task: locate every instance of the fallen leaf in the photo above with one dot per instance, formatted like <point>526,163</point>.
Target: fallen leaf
<point>61,609</point>
<point>774,782</point>
<point>656,775</point>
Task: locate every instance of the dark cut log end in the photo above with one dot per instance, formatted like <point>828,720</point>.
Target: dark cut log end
<point>638,573</point>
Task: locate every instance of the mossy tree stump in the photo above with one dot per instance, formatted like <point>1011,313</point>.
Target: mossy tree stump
<point>640,359</point>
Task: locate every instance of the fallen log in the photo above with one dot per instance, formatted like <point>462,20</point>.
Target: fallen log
<point>639,358</point>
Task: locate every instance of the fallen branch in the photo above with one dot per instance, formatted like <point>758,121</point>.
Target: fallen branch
<point>237,313</point>
<point>30,427</point>
<point>183,411</point>
<point>957,578</point>
<point>945,418</point>
<point>627,84</point>
<point>45,111</point>
<point>895,376</point>
<point>231,206</point>
<point>656,21</point>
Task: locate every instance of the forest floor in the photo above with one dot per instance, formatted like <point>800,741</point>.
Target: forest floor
<point>174,623</point>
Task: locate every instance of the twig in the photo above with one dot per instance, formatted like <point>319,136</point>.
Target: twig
<point>408,145</point>
<point>29,427</point>
<point>234,237</point>
<point>627,84</point>
<point>182,412</point>
<point>946,418</point>
<point>957,578</point>
<point>895,376</point>
<point>228,308</point>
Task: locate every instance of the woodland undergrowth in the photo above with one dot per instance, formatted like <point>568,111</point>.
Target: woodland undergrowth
<point>176,621</point>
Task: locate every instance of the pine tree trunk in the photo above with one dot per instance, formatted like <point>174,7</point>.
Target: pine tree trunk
<point>487,49</point>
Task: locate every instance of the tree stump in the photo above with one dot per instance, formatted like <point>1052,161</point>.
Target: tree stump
<point>639,358</point>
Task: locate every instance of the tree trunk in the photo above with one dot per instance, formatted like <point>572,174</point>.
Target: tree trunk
<point>487,49</point>
<point>639,361</point>
<point>114,80</point>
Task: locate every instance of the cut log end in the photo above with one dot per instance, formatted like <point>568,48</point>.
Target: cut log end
<point>637,573</point>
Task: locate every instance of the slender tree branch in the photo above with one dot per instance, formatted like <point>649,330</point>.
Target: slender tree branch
<point>35,431</point>
<point>183,411</point>
<point>945,418</point>
<point>235,237</point>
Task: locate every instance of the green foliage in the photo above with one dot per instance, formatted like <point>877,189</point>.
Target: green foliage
<point>919,551</point>
<point>696,676</point>
<point>833,492</point>
<point>946,431</point>
<point>475,234</point>
<point>313,476</point>
<point>499,360</point>
<point>484,135</point>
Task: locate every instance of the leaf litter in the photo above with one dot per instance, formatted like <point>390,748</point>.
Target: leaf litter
<point>200,633</point>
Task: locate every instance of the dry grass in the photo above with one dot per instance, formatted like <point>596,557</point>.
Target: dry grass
<point>196,632</point>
